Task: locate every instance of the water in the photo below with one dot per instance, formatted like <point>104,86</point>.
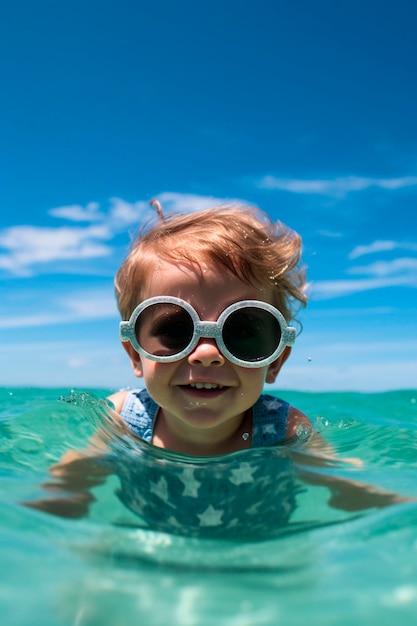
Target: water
<point>326,567</point>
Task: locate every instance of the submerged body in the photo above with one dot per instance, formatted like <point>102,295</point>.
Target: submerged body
<point>247,494</point>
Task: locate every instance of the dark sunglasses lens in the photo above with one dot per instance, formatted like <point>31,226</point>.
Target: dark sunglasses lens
<point>164,329</point>
<point>251,334</point>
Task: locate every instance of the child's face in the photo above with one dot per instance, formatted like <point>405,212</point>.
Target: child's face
<point>211,413</point>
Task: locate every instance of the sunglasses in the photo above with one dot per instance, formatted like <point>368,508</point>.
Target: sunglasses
<point>249,333</point>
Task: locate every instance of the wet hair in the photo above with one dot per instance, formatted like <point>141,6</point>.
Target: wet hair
<point>238,238</point>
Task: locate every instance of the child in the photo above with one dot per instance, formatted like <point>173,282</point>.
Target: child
<point>206,301</point>
<point>230,265</point>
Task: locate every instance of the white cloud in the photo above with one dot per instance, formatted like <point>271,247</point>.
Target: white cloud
<point>77,362</point>
<point>119,215</point>
<point>369,351</point>
<point>78,213</point>
<point>33,320</point>
<point>387,268</point>
<point>123,214</point>
<point>172,201</point>
<point>328,289</point>
<point>337,187</point>
<point>330,234</point>
<point>381,245</point>
<point>97,304</point>
<point>30,245</point>
<point>379,274</point>
<point>387,362</point>
<point>69,309</point>
<point>26,246</point>
<point>68,364</point>
<point>381,376</point>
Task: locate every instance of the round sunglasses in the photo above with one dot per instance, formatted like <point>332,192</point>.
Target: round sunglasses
<point>249,333</point>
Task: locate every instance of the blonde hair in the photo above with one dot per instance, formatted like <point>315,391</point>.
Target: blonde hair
<point>241,239</point>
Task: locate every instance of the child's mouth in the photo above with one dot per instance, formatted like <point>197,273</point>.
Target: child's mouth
<point>205,386</point>
<point>207,390</point>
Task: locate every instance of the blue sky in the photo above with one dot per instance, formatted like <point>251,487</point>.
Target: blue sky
<point>306,109</point>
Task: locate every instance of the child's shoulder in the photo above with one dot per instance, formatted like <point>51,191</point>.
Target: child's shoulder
<point>131,399</point>
<point>294,418</point>
<point>297,419</point>
<point>118,399</point>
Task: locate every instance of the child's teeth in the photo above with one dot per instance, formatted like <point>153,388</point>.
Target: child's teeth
<point>206,386</point>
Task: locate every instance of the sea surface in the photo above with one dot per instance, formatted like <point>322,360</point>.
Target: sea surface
<point>327,566</point>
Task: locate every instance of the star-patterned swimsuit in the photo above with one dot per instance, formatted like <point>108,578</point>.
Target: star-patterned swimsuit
<point>249,493</point>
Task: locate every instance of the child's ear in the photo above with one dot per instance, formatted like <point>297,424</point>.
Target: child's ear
<point>274,368</point>
<point>134,359</point>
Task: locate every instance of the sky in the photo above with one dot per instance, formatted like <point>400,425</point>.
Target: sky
<point>305,109</point>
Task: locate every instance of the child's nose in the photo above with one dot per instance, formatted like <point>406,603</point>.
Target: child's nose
<point>206,353</point>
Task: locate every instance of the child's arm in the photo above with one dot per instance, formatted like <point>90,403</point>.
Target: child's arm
<point>348,495</point>
<point>300,428</point>
<point>352,495</point>
<point>76,473</point>
<point>69,495</point>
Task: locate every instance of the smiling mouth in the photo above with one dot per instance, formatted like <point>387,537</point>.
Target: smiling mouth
<point>205,386</point>
<point>206,390</point>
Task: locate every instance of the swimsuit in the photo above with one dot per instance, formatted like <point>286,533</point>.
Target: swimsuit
<point>247,494</point>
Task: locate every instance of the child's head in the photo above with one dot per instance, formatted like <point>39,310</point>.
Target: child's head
<point>196,271</point>
<point>240,239</point>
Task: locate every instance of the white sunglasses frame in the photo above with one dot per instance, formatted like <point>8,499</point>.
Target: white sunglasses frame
<point>208,330</point>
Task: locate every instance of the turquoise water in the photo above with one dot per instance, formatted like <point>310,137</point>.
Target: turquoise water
<point>327,566</point>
